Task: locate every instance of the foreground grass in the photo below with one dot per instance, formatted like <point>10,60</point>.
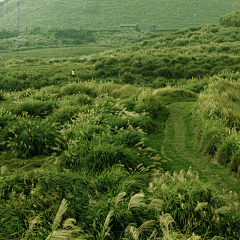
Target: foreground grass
<point>91,151</point>
<point>181,151</point>
<point>99,140</point>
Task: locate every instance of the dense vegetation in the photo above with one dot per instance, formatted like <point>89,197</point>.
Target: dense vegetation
<point>102,15</point>
<point>230,20</point>
<point>42,38</point>
<point>76,160</point>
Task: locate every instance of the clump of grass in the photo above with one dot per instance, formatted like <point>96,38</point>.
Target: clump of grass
<point>36,108</point>
<point>64,114</point>
<point>1,97</point>
<point>230,20</point>
<point>6,117</point>
<point>76,88</point>
<point>43,191</point>
<point>217,117</point>
<point>149,103</point>
<point>32,137</point>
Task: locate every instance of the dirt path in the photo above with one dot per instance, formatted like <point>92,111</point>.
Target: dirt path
<point>197,162</point>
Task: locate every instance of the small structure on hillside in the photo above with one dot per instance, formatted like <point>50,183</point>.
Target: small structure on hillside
<point>56,26</point>
<point>129,27</point>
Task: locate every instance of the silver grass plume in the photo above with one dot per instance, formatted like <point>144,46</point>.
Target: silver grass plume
<point>153,235</point>
<point>119,198</point>
<point>62,209</point>
<point>200,206</point>
<point>194,237</point>
<point>32,225</point>
<point>217,238</point>
<point>106,228</point>
<point>69,230</point>
<point>136,201</point>
<point>181,177</point>
<point>192,174</point>
<point>222,210</point>
<point>146,226</point>
<point>155,204</point>
<point>132,231</point>
<point>165,220</point>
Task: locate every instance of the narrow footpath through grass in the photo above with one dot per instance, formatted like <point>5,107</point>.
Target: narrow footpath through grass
<point>179,152</point>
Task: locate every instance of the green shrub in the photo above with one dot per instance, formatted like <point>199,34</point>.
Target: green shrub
<point>234,164</point>
<point>1,97</point>
<point>163,72</point>
<point>212,136</point>
<point>230,20</point>
<point>31,137</point>
<point>128,104</point>
<point>10,83</point>
<point>197,85</point>
<point>149,103</point>
<point>128,78</point>
<point>84,99</point>
<point>194,206</point>
<point>106,155</point>
<point>42,191</point>
<point>174,94</point>
<point>57,78</point>
<point>97,156</point>
<point>100,73</point>
<point>76,88</point>
<point>228,152</point>
<point>36,108</point>
<point>63,114</point>
<point>6,118</point>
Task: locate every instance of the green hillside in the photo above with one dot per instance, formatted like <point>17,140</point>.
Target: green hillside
<point>109,14</point>
<point>143,143</point>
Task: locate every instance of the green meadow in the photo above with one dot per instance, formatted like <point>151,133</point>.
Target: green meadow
<point>142,144</point>
<point>102,15</point>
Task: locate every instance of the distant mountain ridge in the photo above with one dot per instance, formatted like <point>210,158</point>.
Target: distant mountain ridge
<point>110,14</point>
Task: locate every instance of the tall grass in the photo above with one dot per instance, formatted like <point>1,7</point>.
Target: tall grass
<point>29,137</point>
<point>218,113</point>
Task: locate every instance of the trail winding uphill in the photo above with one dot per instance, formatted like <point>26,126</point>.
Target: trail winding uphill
<point>174,149</point>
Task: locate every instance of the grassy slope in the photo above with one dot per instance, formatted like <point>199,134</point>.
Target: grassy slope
<point>100,190</point>
<point>91,14</point>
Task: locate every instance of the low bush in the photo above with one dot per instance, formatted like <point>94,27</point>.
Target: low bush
<point>230,20</point>
<point>77,88</point>
<point>10,83</point>
<point>58,78</point>
<point>42,191</point>
<point>173,94</point>
<point>217,121</point>
<point>228,152</point>
<point>63,114</point>
<point>197,85</point>
<point>194,205</point>
<point>36,108</point>
<point>1,97</point>
<point>6,118</point>
<point>149,103</point>
<point>213,133</point>
<point>30,137</point>
<point>98,155</point>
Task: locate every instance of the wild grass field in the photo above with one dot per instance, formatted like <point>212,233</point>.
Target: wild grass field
<point>109,15</point>
<point>142,144</point>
